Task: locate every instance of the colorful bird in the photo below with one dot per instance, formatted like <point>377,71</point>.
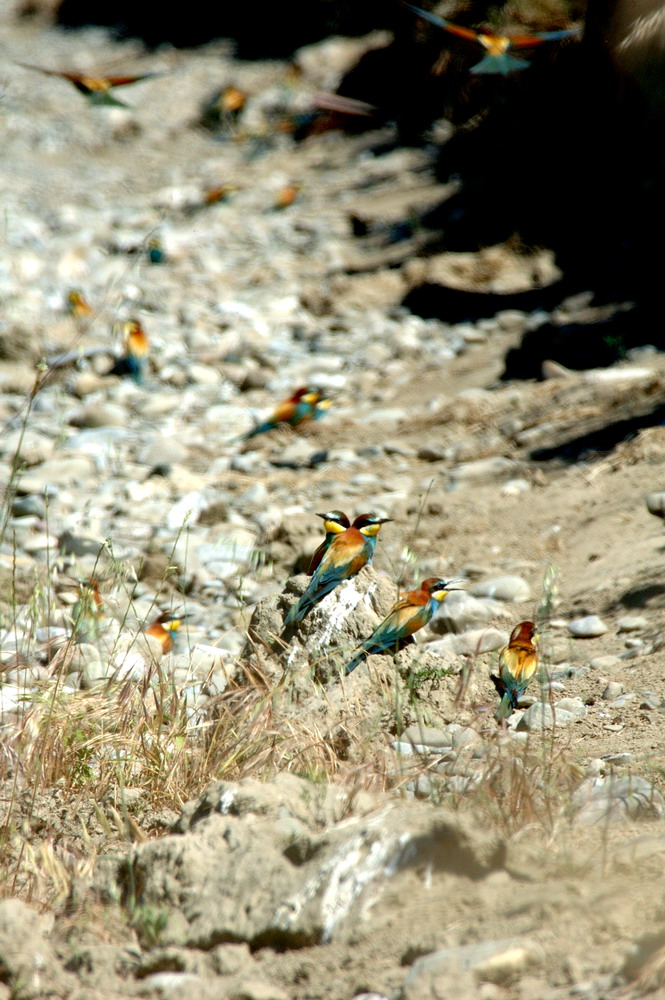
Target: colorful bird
<point>409,614</point>
<point>497,47</point>
<point>156,252</point>
<point>346,555</point>
<point>87,612</point>
<point>165,629</point>
<point>136,346</point>
<point>518,662</point>
<point>299,407</point>
<point>97,89</point>
<point>286,196</point>
<point>77,307</point>
<point>334,521</point>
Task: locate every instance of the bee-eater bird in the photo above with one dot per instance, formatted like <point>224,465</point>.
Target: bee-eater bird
<point>518,662</point>
<point>97,89</point>
<point>497,47</point>
<point>87,612</point>
<point>136,345</point>
<point>410,613</point>
<point>293,411</point>
<point>286,196</point>
<point>335,522</point>
<point>77,305</point>
<point>346,555</point>
<point>165,629</point>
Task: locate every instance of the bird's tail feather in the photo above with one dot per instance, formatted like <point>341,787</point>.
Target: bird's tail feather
<point>505,708</point>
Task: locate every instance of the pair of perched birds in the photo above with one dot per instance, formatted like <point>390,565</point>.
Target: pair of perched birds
<point>307,403</point>
<point>346,548</point>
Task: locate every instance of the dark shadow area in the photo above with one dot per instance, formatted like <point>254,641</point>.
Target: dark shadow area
<point>641,597</point>
<point>604,439</point>
<point>261,31</point>
<point>564,155</point>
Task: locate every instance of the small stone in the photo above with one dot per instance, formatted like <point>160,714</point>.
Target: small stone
<point>632,623</point>
<point>588,627</point>
<point>604,662</point>
<point>427,736</point>
<point>486,470</point>
<point>612,691</point>
<point>431,453</point>
<point>542,716</point>
<point>617,758</point>
<point>473,642</point>
<point>608,798</point>
<point>575,706</point>
<point>656,504</point>
<point>503,588</point>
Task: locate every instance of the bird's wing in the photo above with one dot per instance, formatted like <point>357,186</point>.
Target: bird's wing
<point>528,41</point>
<point>440,22</point>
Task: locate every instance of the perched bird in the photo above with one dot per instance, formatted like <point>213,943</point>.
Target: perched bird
<point>409,614</point>
<point>334,521</point>
<point>77,307</point>
<point>286,196</point>
<point>346,555</point>
<point>156,252</point>
<point>165,629</point>
<point>96,88</point>
<point>136,346</point>
<point>222,192</point>
<point>518,662</point>
<point>293,411</point>
<point>497,47</point>
<point>87,612</point>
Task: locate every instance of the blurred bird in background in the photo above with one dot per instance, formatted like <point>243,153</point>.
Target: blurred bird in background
<point>334,522</point>
<point>497,47</point>
<point>97,89</point>
<point>77,306</point>
<point>87,613</point>
<point>136,346</point>
<point>518,662</point>
<point>299,407</point>
<point>346,555</point>
<point>408,615</point>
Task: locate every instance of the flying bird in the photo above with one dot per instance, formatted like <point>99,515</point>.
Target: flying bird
<point>497,47</point>
<point>518,662</point>
<point>165,629</point>
<point>298,408</point>
<point>408,615</point>
<point>348,552</point>
<point>97,89</point>
<point>334,522</point>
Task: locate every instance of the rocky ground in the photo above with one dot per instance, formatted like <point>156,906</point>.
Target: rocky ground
<point>375,835</point>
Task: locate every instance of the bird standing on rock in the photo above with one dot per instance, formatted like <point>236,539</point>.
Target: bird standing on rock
<point>295,410</point>
<point>348,552</point>
<point>497,47</point>
<point>408,615</point>
<point>335,522</point>
<point>518,662</point>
